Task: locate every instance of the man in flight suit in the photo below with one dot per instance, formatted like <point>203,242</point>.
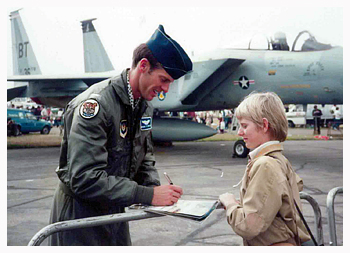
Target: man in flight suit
<point>107,161</point>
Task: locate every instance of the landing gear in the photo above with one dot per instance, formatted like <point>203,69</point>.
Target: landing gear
<point>240,150</point>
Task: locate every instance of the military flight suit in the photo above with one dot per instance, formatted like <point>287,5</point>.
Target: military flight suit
<point>106,162</point>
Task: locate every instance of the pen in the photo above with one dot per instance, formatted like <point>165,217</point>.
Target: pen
<point>168,178</point>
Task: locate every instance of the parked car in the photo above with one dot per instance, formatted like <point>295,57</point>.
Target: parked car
<point>25,122</point>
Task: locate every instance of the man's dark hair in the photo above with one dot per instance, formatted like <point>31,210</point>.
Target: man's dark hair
<point>142,51</point>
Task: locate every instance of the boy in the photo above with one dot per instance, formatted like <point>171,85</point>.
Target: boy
<point>266,213</point>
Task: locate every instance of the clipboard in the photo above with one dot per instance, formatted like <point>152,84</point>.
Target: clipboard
<point>196,210</point>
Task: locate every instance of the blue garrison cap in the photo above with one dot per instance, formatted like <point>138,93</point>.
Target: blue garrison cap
<point>169,53</point>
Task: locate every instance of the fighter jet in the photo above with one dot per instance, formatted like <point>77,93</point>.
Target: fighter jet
<point>59,90</point>
<point>54,91</point>
<point>289,74</point>
<point>220,79</point>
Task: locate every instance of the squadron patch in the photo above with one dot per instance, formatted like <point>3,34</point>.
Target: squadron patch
<point>89,108</point>
<point>146,123</point>
<point>123,128</point>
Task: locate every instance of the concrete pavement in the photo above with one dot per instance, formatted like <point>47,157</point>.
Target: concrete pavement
<point>197,167</point>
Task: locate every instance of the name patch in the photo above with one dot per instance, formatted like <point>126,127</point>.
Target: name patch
<point>146,123</point>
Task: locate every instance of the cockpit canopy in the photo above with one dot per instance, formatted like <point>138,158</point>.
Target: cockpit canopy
<point>280,43</point>
<point>311,44</point>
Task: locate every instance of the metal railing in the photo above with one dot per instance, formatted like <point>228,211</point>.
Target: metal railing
<point>330,214</point>
<point>318,216</point>
<point>45,232</point>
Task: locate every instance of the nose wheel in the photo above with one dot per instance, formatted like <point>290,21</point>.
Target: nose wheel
<point>240,150</point>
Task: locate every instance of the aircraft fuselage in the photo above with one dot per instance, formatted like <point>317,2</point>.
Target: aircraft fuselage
<point>314,77</point>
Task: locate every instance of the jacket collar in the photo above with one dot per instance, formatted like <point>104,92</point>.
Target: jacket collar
<point>254,152</point>
<point>120,86</point>
<point>269,149</point>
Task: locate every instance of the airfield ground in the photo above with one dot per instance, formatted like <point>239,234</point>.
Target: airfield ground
<point>204,169</point>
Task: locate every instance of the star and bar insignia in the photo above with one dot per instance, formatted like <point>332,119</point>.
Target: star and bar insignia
<point>244,82</point>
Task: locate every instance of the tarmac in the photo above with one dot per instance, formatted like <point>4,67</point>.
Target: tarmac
<point>203,169</point>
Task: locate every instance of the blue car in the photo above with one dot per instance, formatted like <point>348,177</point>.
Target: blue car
<point>24,121</point>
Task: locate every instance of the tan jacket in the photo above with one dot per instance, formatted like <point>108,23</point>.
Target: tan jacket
<point>266,214</point>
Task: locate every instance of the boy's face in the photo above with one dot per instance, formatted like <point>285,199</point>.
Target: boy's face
<point>252,134</point>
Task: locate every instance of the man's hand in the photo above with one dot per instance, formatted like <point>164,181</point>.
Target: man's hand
<point>227,199</point>
<point>166,195</point>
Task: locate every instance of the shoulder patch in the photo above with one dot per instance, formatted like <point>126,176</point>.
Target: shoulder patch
<point>89,109</point>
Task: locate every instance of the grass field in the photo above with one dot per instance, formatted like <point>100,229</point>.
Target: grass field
<point>37,140</point>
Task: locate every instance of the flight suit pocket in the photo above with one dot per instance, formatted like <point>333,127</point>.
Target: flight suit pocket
<point>119,160</point>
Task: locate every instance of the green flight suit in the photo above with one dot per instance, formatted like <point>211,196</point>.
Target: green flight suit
<point>106,162</point>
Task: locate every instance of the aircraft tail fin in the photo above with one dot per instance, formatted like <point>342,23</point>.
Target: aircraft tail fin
<point>95,56</point>
<point>24,60</point>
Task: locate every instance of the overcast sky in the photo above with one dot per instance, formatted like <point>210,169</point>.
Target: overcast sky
<point>56,36</point>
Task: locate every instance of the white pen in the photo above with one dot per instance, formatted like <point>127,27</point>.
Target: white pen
<point>168,178</point>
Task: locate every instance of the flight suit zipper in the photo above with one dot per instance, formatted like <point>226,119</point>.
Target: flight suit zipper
<point>136,116</point>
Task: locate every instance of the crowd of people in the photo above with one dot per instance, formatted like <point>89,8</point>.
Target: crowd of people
<point>220,120</point>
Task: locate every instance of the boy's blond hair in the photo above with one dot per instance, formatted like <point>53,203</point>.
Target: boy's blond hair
<point>257,106</point>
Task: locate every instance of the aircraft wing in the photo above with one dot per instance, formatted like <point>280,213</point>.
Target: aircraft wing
<point>55,85</point>
<point>15,92</point>
<point>51,78</point>
<point>190,89</point>
<point>210,74</point>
